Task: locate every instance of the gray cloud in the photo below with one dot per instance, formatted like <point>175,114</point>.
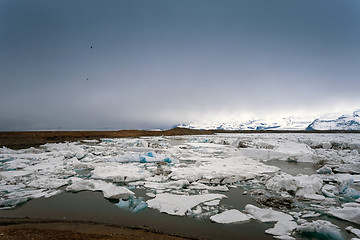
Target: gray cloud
<point>157,63</point>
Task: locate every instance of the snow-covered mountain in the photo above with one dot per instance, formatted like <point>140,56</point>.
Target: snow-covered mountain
<point>288,123</point>
<point>344,122</point>
<point>325,122</point>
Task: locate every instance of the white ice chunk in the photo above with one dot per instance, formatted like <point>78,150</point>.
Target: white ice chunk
<point>322,229</point>
<point>150,194</point>
<point>13,174</point>
<point>223,171</point>
<point>282,181</point>
<point>212,203</point>
<point>324,170</point>
<point>47,182</point>
<point>230,216</point>
<point>201,186</point>
<point>179,204</point>
<point>267,214</point>
<point>313,196</point>
<point>326,145</point>
<point>168,185</point>
<point>330,190</point>
<point>293,148</point>
<point>282,227</point>
<point>115,192</point>
<point>351,214</point>
<point>351,204</point>
<point>309,185</point>
<point>311,214</point>
<point>148,157</point>
<point>285,237</point>
<point>109,190</point>
<point>125,172</point>
<point>304,185</point>
<point>353,230</point>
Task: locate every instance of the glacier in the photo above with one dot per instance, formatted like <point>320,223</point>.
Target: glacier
<point>344,122</point>
<point>334,121</point>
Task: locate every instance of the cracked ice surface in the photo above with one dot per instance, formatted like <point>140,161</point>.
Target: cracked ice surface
<point>230,216</point>
<point>179,204</point>
<point>189,175</point>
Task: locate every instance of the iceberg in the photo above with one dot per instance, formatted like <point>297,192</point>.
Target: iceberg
<point>302,185</point>
<point>179,204</point>
<point>320,229</point>
<point>267,215</point>
<point>109,190</point>
<point>230,216</point>
<point>11,203</point>
<point>353,230</point>
<point>351,214</point>
<point>324,170</point>
<point>133,204</point>
<point>282,228</point>
<point>347,191</point>
<point>168,185</point>
<point>117,172</point>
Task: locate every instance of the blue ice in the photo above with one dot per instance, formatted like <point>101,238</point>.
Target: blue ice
<point>133,204</point>
<point>347,191</point>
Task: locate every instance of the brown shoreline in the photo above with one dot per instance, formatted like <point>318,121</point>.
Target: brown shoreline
<point>20,140</point>
<point>25,228</point>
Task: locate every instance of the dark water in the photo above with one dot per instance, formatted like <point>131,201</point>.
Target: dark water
<point>294,168</point>
<point>91,206</point>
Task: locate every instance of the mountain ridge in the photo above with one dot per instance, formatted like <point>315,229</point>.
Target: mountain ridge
<point>345,122</point>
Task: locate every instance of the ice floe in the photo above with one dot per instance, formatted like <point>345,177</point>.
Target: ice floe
<point>133,204</point>
<point>179,204</point>
<point>320,229</point>
<point>349,213</point>
<point>267,214</point>
<point>109,190</point>
<point>353,230</point>
<point>230,216</point>
<point>302,185</point>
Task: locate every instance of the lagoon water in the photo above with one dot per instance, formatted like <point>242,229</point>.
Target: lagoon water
<point>241,163</point>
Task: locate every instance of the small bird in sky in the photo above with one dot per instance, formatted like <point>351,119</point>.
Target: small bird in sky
<point>91,46</point>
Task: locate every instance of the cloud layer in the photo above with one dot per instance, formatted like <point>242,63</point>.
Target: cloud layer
<point>152,64</point>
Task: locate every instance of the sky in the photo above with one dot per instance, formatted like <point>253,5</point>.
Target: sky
<point>143,64</point>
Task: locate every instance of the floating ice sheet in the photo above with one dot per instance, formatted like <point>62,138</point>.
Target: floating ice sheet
<point>109,190</point>
<point>320,229</point>
<point>351,214</point>
<point>230,216</point>
<point>179,204</point>
<point>267,214</point>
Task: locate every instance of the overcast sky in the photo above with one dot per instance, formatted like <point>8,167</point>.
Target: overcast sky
<point>129,64</point>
